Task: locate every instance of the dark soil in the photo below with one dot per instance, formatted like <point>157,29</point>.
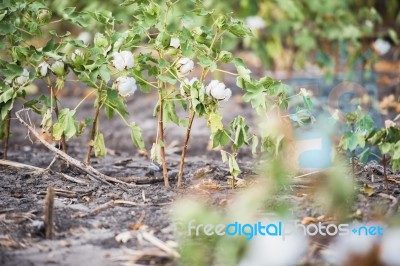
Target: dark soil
<point>87,238</point>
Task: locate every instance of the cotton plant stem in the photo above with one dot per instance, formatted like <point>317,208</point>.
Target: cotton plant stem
<point>7,137</point>
<point>56,110</point>
<point>185,145</point>
<point>93,133</point>
<point>161,138</point>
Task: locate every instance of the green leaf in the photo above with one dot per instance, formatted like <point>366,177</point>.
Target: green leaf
<point>215,122</point>
<point>65,124</point>
<point>385,148</point>
<point>104,73</point>
<point>242,69</point>
<point>233,166</point>
<point>136,135</point>
<point>167,79</point>
<point>220,138</point>
<point>205,61</point>
<point>170,112</point>
<point>364,155</point>
<point>99,146</point>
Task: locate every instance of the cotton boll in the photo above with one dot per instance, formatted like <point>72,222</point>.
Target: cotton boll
<point>346,246</point>
<point>126,86</point>
<point>255,23</point>
<point>43,69</point>
<point>175,43</point>
<point>218,91</point>
<point>24,78</point>
<point>390,248</point>
<point>228,94</point>
<point>188,83</point>
<point>389,123</point>
<point>212,84</point>
<point>58,68</point>
<point>185,65</point>
<point>381,46</point>
<point>272,250</point>
<point>118,61</point>
<point>85,37</point>
<point>123,60</point>
<point>128,59</point>
<point>78,57</point>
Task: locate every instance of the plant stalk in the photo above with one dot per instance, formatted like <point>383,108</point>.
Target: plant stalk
<point>93,132</point>
<point>7,136</point>
<point>185,145</point>
<point>161,138</point>
<point>56,110</point>
<point>384,161</point>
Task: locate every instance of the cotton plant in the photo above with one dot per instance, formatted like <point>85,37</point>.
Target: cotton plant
<point>19,21</point>
<point>148,55</point>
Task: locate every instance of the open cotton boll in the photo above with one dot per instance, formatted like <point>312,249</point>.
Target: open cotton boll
<point>185,65</point>
<point>128,59</point>
<point>188,83</point>
<point>390,247</point>
<point>218,91</point>
<point>21,80</point>
<point>43,69</point>
<point>123,60</point>
<point>272,250</point>
<point>381,46</point>
<point>77,56</point>
<point>85,37</point>
<point>126,86</point>
<point>255,23</point>
<point>175,43</point>
<point>345,246</point>
<point>389,124</point>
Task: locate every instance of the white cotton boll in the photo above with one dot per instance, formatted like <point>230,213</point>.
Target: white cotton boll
<point>185,65</point>
<point>21,80</point>
<point>304,92</point>
<point>123,60</point>
<point>118,61</point>
<point>128,59</point>
<point>390,248</point>
<point>126,86</point>
<point>218,91</point>
<point>175,43</point>
<point>255,23</point>
<point>389,123</point>
<point>85,37</point>
<point>212,84</point>
<point>381,46</point>
<point>78,57</point>
<point>272,250</point>
<point>228,94</point>
<point>188,83</point>
<point>43,69</point>
<point>345,246</point>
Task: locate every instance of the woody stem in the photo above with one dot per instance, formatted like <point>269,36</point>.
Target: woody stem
<point>185,145</point>
<point>93,131</point>
<point>7,136</point>
<point>161,139</point>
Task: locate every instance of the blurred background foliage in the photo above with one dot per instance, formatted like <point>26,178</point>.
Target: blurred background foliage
<point>290,32</point>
